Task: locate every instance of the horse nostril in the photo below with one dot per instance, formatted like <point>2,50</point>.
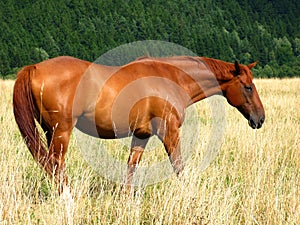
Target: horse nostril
<point>262,120</point>
<point>252,123</point>
<point>256,122</point>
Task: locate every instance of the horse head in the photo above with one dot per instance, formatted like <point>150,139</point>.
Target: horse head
<point>241,93</point>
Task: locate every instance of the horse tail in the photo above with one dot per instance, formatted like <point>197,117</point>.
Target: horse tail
<point>25,112</point>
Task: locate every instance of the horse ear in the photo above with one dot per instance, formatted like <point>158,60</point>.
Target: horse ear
<point>250,66</point>
<point>237,67</point>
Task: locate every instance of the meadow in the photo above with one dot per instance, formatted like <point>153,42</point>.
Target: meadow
<point>255,178</point>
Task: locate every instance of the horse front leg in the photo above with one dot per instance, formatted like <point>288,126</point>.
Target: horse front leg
<point>170,136</point>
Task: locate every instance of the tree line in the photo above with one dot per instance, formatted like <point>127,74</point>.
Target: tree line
<point>247,30</point>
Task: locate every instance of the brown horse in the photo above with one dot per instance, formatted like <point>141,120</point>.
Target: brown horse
<point>143,98</point>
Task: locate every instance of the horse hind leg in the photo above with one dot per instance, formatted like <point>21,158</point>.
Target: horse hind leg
<point>58,141</point>
<point>48,133</point>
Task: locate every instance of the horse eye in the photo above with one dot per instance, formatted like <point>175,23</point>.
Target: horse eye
<point>248,88</point>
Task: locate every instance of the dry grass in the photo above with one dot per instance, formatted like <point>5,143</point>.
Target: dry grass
<point>254,180</point>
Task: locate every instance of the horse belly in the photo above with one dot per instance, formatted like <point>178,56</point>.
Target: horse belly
<point>102,127</point>
<point>88,127</point>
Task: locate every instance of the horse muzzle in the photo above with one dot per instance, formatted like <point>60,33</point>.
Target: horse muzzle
<point>256,122</point>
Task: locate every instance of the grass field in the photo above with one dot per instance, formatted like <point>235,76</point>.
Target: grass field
<point>255,178</point>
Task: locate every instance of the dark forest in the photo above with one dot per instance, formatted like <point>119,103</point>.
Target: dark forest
<point>246,30</point>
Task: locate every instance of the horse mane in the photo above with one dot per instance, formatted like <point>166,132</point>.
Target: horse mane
<point>143,57</point>
<point>222,70</point>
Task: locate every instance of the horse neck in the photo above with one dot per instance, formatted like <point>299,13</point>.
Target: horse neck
<point>205,81</point>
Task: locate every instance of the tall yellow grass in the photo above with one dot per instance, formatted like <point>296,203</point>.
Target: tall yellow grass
<point>255,179</point>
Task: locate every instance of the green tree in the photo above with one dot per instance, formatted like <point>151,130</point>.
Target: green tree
<point>283,50</point>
